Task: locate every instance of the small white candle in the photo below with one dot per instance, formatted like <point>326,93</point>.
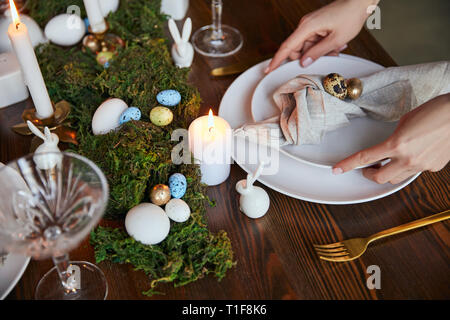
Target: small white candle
<point>210,144</point>
<point>95,16</point>
<point>21,44</point>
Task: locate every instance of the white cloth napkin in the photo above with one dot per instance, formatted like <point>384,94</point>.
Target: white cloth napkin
<point>307,111</point>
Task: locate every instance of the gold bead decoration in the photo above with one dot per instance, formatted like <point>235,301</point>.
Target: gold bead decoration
<point>160,194</point>
<point>354,88</point>
<point>92,43</point>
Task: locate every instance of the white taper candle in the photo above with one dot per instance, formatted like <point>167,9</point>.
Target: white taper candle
<point>95,16</point>
<point>21,44</point>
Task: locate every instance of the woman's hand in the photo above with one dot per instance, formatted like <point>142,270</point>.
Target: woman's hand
<point>421,142</point>
<point>322,32</point>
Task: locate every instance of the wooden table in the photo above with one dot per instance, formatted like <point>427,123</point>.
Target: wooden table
<point>275,254</point>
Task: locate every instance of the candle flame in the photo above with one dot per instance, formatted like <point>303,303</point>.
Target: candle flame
<point>210,120</point>
<point>14,13</point>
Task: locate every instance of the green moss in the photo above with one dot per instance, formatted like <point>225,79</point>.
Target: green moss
<point>43,11</point>
<point>138,155</point>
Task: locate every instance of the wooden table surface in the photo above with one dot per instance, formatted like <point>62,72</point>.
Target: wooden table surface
<point>275,254</point>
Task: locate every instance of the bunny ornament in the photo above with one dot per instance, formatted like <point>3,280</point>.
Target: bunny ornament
<point>182,50</point>
<point>254,201</point>
<point>46,161</point>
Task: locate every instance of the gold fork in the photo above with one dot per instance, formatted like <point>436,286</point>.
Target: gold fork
<point>353,248</point>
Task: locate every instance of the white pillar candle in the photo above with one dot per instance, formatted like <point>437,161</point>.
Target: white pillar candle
<point>21,44</point>
<point>95,16</point>
<point>210,143</point>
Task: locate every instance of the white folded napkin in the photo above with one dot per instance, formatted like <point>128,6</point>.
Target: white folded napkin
<point>307,111</point>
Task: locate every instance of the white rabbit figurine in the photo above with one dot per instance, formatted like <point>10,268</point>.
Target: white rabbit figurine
<point>182,50</point>
<point>254,201</point>
<point>51,140</point>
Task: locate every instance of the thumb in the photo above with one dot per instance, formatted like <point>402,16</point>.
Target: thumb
<point>322,48</point>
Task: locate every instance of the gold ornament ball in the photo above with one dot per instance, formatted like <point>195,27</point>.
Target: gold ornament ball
<point>160,194</point>
<point>92,43</point>
<point>354,88</point>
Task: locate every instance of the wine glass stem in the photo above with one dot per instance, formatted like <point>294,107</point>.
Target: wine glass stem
<point>62,264</point>
<point>216,8</point>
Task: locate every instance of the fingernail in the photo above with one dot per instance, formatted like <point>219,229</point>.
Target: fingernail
<point>337,171</point>
<point>307,62</point>
<point>266,70</point>
<point>343,47</point>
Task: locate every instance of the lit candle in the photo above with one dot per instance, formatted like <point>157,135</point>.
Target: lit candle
<point>210,144</point>
<point>21,44</point>
<point>95,16</point>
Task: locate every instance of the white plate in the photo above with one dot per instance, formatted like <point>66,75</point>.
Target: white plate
<point>360,134</point>
<point>11,270</point>
<point>296,179</point>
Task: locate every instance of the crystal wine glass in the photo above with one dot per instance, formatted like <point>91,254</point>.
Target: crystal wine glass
<point>49,203</point>
<point>217,40</point>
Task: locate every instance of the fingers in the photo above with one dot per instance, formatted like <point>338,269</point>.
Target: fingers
<point>379,152</point>
<point>293,43</point>
<point>279,57</point>
<point>385,173</point>
<point>394,172</point>
<point>402,177</point>
<point>323,47</point>
<point>294,55</point>
<point>336,53</point>
<point>333,54</point>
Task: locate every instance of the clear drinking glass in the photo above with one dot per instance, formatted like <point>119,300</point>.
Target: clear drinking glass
<point>217,40</point>
<point>49,202</point>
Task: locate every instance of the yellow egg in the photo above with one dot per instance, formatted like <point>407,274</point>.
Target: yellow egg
<point>161,116</point>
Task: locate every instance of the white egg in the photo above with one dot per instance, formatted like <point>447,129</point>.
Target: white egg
<point>178,210</point>
<point>147,223</point>
<point>65,29</point>
<point>107,6</point>
<point>106,118</point>
<point>35,32</point>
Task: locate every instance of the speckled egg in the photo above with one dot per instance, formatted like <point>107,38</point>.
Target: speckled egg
<point>104,57</point>
<point>335,85</point>
<point>177,185</point>
<point>178,210</point>
<point>169,98</point>
<point>132,113</point>
<point>161,116</point>
<point>86,23</point>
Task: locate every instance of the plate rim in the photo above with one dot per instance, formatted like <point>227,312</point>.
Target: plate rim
<point>297,196</point>
<point>18,275</point>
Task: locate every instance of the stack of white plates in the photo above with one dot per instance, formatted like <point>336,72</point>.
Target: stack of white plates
<point>304,172</point>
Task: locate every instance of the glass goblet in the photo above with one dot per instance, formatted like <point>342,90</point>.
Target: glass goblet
<point>49,202</point>
<point>217,39</point>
